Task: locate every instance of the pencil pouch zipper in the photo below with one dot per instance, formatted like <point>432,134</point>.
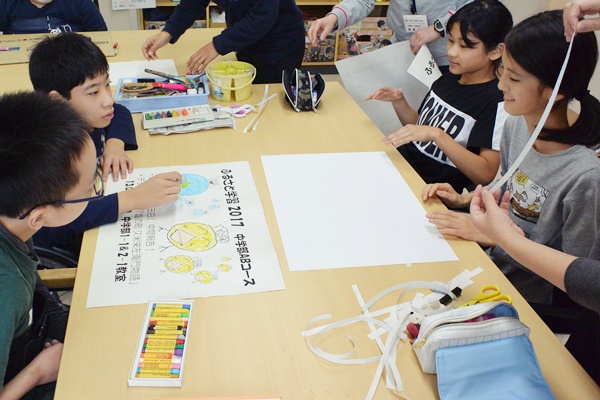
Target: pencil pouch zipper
<point>453,328</point>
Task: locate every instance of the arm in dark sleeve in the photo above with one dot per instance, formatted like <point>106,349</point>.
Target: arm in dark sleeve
<point>121,127</point>
<point>90,18</point>
<point>69,237</point>
<point>186,12</point>
<point>582,282</point>
<point>260,19</point>
<point>4,17</point>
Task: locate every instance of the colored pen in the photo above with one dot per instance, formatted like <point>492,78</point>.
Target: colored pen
<point>172,86</point>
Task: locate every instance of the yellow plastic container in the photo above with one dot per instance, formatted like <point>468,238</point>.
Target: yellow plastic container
<point>230,80</point>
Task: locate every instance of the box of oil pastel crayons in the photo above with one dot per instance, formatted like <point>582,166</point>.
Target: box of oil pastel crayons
<point>177,116</point>
<point>160,99</point>
<point>161,350</point>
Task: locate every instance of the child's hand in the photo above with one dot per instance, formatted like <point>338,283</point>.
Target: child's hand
<point>412,133</point>
<point>421,37</point>
<point>491,219</point>
<point>153,43</point>
<point>446,193</point>
<point>48,361</point>
<point>320,28</point>
<point>200,59</point>
<point>41,370</point>
<point>458,224</point>
<point>114,160</point>
<point>160,189</point>
<point>386,94</point>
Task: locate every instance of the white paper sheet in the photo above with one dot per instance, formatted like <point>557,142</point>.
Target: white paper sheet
<point>364,74</point>
<point>424,67</point>
<point>349,210</point>
<point>135,69</point>
<point>213,241</point>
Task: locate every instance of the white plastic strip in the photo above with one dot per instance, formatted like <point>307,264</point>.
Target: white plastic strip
<point>393,325</point>
<point>539,126</point>
<point>361,303</point>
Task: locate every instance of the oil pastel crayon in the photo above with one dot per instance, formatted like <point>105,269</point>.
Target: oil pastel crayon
<point>170,314</point>
<point>174,359</point>
<point>177,352</point>
<point>163,374</point>
<point>159,370</point>
<point>164,341</point>
<point>182,324</point>
<point>159,355</point>
<point>169,305</point>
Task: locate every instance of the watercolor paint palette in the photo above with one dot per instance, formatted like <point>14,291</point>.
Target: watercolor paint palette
<point>160,354</point>
<point>177,116</point>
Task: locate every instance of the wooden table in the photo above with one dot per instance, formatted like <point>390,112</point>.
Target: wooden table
<point>251,345</point>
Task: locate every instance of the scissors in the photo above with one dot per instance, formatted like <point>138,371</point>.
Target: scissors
<point>238,111</point>
<point>487,294</point>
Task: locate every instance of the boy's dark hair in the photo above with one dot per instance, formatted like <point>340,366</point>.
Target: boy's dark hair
<point>41,140</point>
<point>538,45</point>
<point>488,20</point>
<point>65,61</point>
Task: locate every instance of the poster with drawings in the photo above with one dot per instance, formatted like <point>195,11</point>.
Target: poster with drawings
<point>212,241</point>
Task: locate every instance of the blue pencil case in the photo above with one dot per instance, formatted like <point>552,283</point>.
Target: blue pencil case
<point>496,370</point>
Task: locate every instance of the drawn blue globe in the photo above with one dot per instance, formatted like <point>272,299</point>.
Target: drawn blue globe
<point>193,184</point>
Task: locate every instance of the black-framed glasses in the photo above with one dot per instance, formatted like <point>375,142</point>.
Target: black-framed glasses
<point>413,7</point>
<point>98,194</point>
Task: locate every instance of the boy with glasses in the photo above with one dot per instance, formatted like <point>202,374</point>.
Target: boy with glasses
<point>70,66</point>
<point>49,173</point>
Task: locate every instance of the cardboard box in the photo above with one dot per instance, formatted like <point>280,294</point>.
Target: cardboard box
<point>19,47</point>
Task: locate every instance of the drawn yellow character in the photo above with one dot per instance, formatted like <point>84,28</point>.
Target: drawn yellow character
<point>179,264</point>
<point>192,236</point>
<point>205,277</point>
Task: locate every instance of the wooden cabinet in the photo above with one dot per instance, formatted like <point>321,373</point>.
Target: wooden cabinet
<point>316,8</point>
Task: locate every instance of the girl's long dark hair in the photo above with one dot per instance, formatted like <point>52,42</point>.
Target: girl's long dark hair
<point>538,45</point>
<point>488,20</point>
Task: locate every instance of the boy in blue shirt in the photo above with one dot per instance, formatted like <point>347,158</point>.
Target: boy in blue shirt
<point>50,16</point>
<point>72,67</point>
<point>269,34</point>
<point>49,174</point>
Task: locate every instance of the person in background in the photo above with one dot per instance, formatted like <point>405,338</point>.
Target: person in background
<point>455,134</point>
<point>50,16</point>
<point>70,66</point>
<point>49,174</point>
<point>269,34</point>
<point>573,14</point>
<point>579,277</point>
<point>555,190</point>
<point>419,21</point>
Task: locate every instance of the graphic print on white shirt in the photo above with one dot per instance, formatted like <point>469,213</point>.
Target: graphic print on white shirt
<point>526,197</point>
<point>436,112</point>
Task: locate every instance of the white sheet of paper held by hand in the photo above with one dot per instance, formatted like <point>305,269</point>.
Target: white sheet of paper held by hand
<point>424,67</point>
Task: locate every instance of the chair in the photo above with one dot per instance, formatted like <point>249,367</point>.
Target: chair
<point>57,268</point>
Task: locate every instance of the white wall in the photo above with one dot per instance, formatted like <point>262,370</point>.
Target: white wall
<point>118,20</point>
